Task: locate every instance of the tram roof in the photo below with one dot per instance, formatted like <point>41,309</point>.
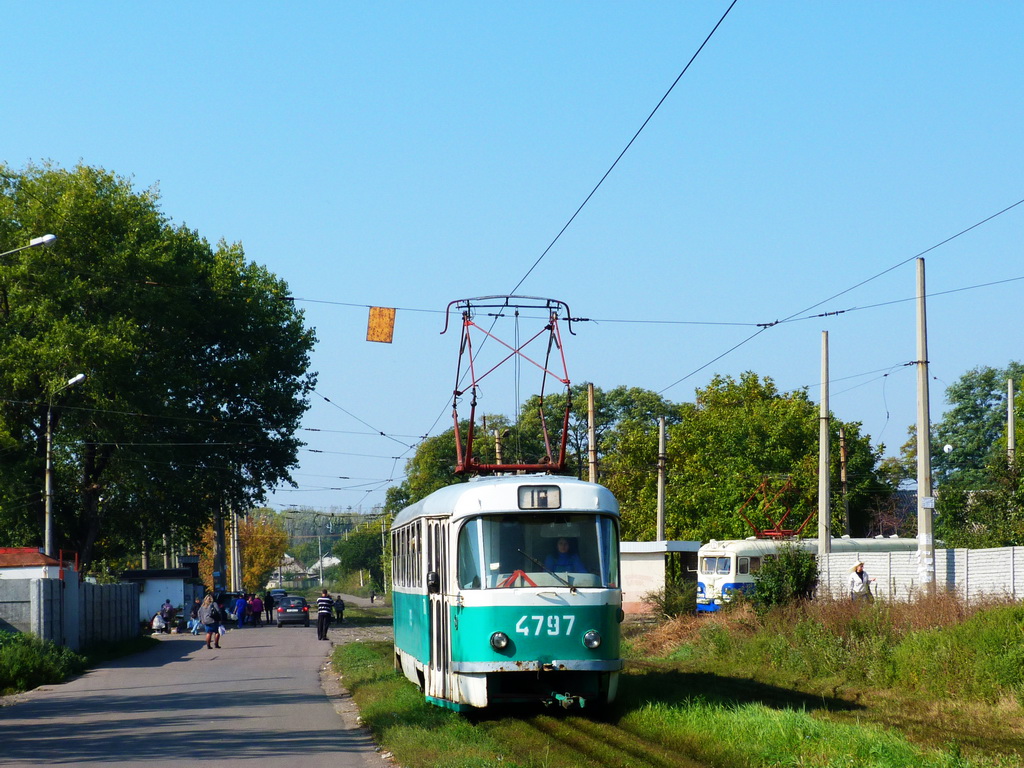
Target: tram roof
<point>839,544</point>
<point>483,495</point>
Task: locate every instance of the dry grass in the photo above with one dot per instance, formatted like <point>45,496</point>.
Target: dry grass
<point>840,616</point>
<point>662,639</point>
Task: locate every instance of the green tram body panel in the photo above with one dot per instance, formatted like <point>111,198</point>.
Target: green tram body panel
<point>539,634</point>
<point>411,615</point>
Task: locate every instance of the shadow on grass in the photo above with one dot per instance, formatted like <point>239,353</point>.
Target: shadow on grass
<point>674,688</point>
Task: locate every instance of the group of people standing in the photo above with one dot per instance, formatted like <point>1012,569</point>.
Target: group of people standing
<point>249,609</point>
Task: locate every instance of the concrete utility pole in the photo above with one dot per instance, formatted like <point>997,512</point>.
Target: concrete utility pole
<point>1011,426</point>
<point>824,485</point>
<point>591,434</point>
<point>925,500</point>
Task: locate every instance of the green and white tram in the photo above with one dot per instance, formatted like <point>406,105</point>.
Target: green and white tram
<point>506,589</point>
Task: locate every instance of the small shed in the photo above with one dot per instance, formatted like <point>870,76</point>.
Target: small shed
<point>159,584</point>
<point>648,565</point>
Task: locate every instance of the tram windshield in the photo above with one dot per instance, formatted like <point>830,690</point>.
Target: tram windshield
<point>497,551</point>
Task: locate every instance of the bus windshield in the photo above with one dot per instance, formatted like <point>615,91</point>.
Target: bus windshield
<point>713,565</point>
<point>498,551</point>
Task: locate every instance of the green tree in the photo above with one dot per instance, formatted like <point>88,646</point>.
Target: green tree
<point>197,367</point>
<point>612,409</point>
<point>363,550</point>
<point>720,449</point>
<point>974,426</point>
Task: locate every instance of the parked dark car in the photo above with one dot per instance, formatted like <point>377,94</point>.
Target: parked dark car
<point>291,609</point>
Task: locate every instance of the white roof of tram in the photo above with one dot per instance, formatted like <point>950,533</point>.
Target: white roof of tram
<point>483,495</point>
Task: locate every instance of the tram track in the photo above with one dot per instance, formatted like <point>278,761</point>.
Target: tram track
<point>603,744</point>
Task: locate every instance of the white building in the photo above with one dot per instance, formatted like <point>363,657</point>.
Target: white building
<point>645,565</point>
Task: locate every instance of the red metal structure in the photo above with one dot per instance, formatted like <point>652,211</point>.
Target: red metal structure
<point>776,531</point>
<point>549,334</point>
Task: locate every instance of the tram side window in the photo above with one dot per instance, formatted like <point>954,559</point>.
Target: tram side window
<point>469,573</point>
<point>743,565</point>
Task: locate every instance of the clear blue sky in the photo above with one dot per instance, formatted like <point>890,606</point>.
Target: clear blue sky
<point>411,154</point>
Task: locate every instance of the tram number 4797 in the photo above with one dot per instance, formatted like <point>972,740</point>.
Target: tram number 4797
<point>545,625</point>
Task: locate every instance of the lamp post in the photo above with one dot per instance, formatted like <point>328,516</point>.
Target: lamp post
<point>48,480</point>
<point>44,241</point>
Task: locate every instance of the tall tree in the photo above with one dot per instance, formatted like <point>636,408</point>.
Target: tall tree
<point>197,366</point>
<point>974,426</point>
<point>736,435</point>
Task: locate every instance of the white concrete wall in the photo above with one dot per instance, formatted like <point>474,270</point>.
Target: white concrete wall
<point>642,573</point>
<point>972,572</point>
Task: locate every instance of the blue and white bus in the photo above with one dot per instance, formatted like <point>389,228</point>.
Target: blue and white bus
<point>506,589</point>
<point>729,566</point>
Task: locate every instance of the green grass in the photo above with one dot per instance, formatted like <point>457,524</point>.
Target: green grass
<point>417,733</point>
<point>930,685</point>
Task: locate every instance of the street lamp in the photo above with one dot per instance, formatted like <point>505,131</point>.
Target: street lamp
<point>48,480</point>
<point>45,241</point>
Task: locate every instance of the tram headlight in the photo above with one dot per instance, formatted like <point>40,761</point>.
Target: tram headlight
<point>592,639</point>
<point>499,641</point>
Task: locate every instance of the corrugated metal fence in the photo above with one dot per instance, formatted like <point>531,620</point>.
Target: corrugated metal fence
<point>972,573</point>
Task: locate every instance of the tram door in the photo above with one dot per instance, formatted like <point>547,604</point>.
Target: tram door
<point>440,637</point>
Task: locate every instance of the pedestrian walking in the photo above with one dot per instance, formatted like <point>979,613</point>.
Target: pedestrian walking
<point>268,606</point>
<point>860,583</point>
<point>210,616</point>
<point>324,606</point>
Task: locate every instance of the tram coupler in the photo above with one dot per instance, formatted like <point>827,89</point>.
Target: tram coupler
<point>566,700</point>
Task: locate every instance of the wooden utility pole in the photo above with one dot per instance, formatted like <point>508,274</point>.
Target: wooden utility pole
<point>661,479</point>
<point>925,500</point>
<point>497,446</point>
<point>843,458</point>
<point>824,485</point>
<point>591,434</point>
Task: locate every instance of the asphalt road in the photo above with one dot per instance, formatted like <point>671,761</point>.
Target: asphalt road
<point>259,700</point>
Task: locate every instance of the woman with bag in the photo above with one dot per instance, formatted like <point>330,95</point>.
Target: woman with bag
<point>210,617</point>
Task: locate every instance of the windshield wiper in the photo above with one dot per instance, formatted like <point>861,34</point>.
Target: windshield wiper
<point>546,569</point>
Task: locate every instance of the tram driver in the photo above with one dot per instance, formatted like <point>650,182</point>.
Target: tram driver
<point>564,559</point>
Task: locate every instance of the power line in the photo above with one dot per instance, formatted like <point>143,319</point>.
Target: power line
<point>766,326</point>
<point>623,152</point>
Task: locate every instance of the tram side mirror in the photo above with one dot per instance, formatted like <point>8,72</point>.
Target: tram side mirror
<point>433,582</point>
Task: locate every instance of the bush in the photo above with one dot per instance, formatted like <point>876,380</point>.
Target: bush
<point>674,600</point>
<point>784,579</point>
<point>27,662</point>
